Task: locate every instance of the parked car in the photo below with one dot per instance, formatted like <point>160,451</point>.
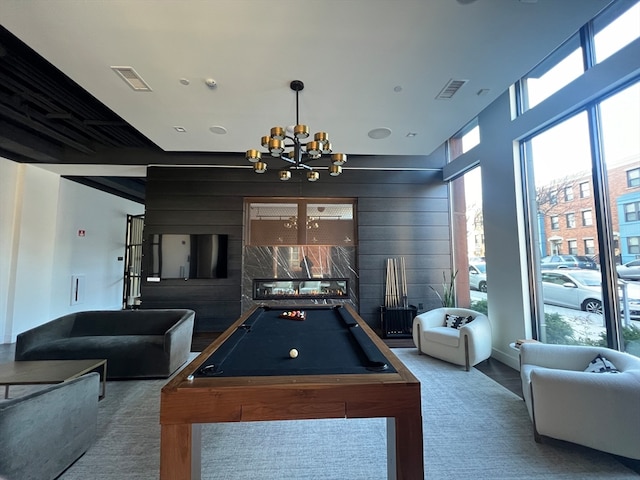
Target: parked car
<point>478,276</point>
<point>629,271</point>
<point>582,290</point>
<point>552,262</point>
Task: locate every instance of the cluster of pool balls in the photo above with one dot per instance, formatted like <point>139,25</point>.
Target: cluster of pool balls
<point>294,315</point>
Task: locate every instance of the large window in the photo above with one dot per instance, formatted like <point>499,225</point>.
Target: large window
<point>595,152</point>
<point>463,141</point>
<point>560,68</point>
<point>616,28</point>
<point>560,160</point>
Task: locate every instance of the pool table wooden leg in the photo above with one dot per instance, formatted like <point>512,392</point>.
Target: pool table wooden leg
<point>405,458</point>
<point>180,452</point>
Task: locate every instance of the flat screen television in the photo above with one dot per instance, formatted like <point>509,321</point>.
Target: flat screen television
<point>186,256</point>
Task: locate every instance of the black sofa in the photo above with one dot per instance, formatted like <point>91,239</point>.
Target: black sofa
<point>136,343</point>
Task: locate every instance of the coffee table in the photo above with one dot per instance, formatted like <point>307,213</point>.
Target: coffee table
<point>39,372</point>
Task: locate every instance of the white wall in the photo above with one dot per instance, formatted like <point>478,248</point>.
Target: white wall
<point>42,214</point>
<point>503,215</point>
<point>8,191</point>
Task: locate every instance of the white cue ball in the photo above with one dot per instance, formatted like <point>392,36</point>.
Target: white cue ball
<point>293,353</point>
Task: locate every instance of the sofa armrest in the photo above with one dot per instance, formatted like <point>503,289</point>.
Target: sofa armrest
<point>177,340</point>
<point>52,330</point>
<point>43,432</point>
<point>479,328</point>
<point>430,319</point>
<point>598,410</point>
<point>567,357</point>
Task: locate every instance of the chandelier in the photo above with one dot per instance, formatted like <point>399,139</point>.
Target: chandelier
<point>301,153</point>
<point>292,222</point>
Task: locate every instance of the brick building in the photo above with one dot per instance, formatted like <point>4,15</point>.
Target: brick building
<point>566,210</point>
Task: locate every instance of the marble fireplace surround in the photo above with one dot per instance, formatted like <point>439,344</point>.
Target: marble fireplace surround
<point>282,264</point>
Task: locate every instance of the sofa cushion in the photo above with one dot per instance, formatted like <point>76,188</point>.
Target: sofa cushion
<point>444,335</point>
<point>601,365</point>
<point>457,321</point>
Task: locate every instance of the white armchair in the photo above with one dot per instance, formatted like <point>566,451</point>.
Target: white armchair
<point>468,345</point>
<point>597,410</point>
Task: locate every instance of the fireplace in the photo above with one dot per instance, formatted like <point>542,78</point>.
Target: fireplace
<point>300,288</point>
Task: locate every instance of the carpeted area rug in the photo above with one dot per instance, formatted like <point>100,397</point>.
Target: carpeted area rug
<point>473,429</point>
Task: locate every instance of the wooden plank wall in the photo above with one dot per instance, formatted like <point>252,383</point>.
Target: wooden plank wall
<point>399,214</point>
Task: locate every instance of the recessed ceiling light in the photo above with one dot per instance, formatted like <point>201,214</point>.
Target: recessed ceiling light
<point>180,129</point>
<point>411,134</point>
<point>379,133</point>
<point>397,88</point>
<point>184,81</point>
<point>220,130</point>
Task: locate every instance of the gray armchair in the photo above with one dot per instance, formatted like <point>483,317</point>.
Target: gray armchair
<point>44,432</point>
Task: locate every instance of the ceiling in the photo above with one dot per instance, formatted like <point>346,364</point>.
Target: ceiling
<point>366,65</point>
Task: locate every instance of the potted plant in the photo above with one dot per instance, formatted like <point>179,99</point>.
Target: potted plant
<point>448,297</point>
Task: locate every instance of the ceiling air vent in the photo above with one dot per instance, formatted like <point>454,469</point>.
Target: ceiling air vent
<point>450,89</point>
<point>132,78</point>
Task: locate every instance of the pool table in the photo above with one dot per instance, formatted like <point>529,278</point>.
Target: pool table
<point>342,370</point>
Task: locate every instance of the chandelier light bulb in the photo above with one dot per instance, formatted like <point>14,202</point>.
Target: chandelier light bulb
<point>276,147</point>
<point>253,155</point>
<point>326,148</point>
<point>312,176</point>
<point>335,170</point>
<point>314,148</point>
<point>285,175</point>
<point>301,131</point>
<point>264,141</point>
<point>259,167</point>
<point>278,133</point>
<point>321,137</point>
<point>339,158</point>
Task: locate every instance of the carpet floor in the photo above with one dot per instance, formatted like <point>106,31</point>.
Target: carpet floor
<point>473,429</point>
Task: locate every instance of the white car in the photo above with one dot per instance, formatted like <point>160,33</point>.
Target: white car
<point>582,290</point>
<point>629,271</point>
<point>478,276</point>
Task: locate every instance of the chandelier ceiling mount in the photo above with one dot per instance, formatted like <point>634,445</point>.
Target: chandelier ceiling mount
<point>297,154</point>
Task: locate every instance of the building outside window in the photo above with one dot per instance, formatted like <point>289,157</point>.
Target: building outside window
<point>631,211</point>
<point>589,246</point>
<point>568,194</point>
<point>585,190</point>
<point>573,247</point>
<point>633,178</point>
<point>633,245</point>
<point>587,219</point>
<point>555,222</point>
<point>571,220</point>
